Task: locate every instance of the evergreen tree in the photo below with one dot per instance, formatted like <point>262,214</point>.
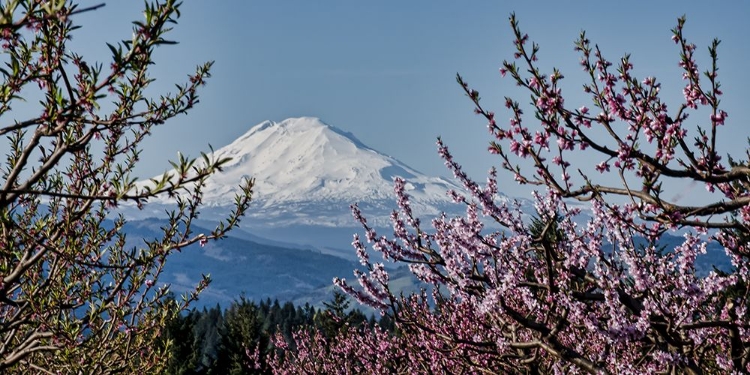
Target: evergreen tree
<point>185,355</point>
<point>241,332</point>
<point>207,338</point>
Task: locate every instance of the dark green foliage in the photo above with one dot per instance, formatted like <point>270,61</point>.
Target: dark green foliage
<point>546,229</point>
<point>242,331</point>
<point>335,316</point>
<point>185,353</point>
<point>213,341</point>
<point>195,339</point>
<point>387,323</point>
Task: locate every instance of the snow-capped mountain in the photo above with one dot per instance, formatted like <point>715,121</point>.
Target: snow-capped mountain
<point>304,159</point>
<point>309,172</point>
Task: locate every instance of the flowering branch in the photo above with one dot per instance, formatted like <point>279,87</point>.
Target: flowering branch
<point>75,296</point>
<point>562,292</point>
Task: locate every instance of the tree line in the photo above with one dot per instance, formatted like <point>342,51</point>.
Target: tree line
<point>220,340</point>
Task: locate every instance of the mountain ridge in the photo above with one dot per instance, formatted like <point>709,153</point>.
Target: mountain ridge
<point>307,175</point>
<point>304,159</point>
<point>304,167</point>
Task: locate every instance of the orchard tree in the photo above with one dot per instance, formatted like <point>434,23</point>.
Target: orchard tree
<point>567,292</point>
<point>74,296</point>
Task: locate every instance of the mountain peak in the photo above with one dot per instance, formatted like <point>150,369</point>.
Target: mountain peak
<point>291,124</point>
<point>302,157</point>
<point>305,168</point>
<point>312,128</point>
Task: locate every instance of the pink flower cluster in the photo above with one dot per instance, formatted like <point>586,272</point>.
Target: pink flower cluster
<point>559,292</point>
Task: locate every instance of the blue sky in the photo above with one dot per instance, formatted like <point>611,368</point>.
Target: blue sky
<point>385,70</point>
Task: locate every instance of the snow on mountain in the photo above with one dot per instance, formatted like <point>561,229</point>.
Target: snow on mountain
<point>304,159</point>
<point>309,172</point>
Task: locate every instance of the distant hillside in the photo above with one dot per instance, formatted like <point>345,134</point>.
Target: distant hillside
<point>238,266</point>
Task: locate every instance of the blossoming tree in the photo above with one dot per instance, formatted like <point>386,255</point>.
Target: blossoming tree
<point>552,294</point>
<point>74,298</point>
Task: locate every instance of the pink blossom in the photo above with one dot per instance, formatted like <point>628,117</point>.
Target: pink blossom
<point>552,288</point>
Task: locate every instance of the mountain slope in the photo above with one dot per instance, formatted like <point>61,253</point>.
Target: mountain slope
<point>259,271</point>
<point>307,175</point>
<point>305,160</point>
<point>240,267</point>
<point>309,172</point>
